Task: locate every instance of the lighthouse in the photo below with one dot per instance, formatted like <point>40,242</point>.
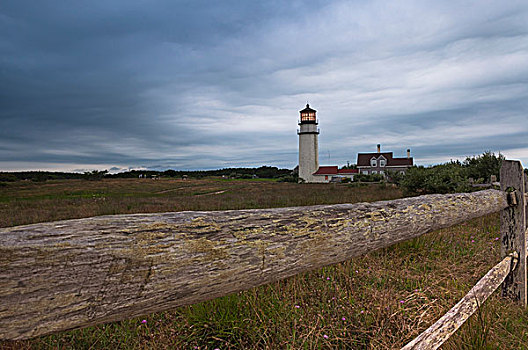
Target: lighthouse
<point>308,144</point>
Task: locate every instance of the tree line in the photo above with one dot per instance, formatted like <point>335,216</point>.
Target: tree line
<point>450,177</point>
<point>268,172</point>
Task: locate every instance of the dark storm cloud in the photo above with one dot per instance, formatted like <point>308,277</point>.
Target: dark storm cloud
<point>201,84</point>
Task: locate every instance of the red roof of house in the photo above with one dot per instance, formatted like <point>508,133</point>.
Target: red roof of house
<point>333,170</point>
<point>326,170</point>
<point>401,161</point>
<point>348,171</point>
<point>363,159</point>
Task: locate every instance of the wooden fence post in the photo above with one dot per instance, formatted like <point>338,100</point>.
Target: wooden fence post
<point>513,228</point>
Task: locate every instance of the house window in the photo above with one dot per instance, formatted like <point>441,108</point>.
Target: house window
<point>382,162</point>
<point>382,172</point>
<point>374,172</point>
<point>373,162</point>
<point>365,172</point>
<point>402,172</point>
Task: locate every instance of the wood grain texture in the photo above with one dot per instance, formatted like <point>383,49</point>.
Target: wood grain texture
<point>513,227</point>
<point>433,337</point>
<point>75,273</point>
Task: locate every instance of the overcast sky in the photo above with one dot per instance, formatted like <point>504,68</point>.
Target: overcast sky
<point>209,84</point>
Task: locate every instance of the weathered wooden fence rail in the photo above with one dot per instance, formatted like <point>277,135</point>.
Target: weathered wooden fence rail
<point>75,273</point>
<point>441,330</point>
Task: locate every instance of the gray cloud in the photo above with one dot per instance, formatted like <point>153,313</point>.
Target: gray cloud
<point>195,84</point>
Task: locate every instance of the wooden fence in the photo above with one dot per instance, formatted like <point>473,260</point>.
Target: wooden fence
<point>75,273</point>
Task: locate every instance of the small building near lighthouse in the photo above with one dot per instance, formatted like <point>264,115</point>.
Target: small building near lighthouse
<point>333,173</point>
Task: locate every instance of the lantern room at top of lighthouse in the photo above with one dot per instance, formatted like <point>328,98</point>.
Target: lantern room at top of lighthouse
<point>308,115</point>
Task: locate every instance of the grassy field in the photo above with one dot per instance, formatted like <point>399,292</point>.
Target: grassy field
<point>378,301</point>
<point>29,202</point>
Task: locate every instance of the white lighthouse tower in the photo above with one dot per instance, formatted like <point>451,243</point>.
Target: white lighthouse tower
<point>308,144</point>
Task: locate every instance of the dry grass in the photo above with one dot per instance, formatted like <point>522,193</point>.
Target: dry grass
<point>378,301</point>
<point>28,202</point>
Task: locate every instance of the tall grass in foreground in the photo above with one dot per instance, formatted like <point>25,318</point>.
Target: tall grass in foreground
<point>377,301</point>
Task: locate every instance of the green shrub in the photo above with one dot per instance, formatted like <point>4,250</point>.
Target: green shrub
<point>369,178</point>
<point>394,177</point>
<point>6,177</point>
<point>444,178</point>
<point>453,176</point>
<point>482,167</point>
<point>289,178</point>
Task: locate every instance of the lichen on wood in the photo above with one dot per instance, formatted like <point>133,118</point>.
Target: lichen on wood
<point>76,273</point>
